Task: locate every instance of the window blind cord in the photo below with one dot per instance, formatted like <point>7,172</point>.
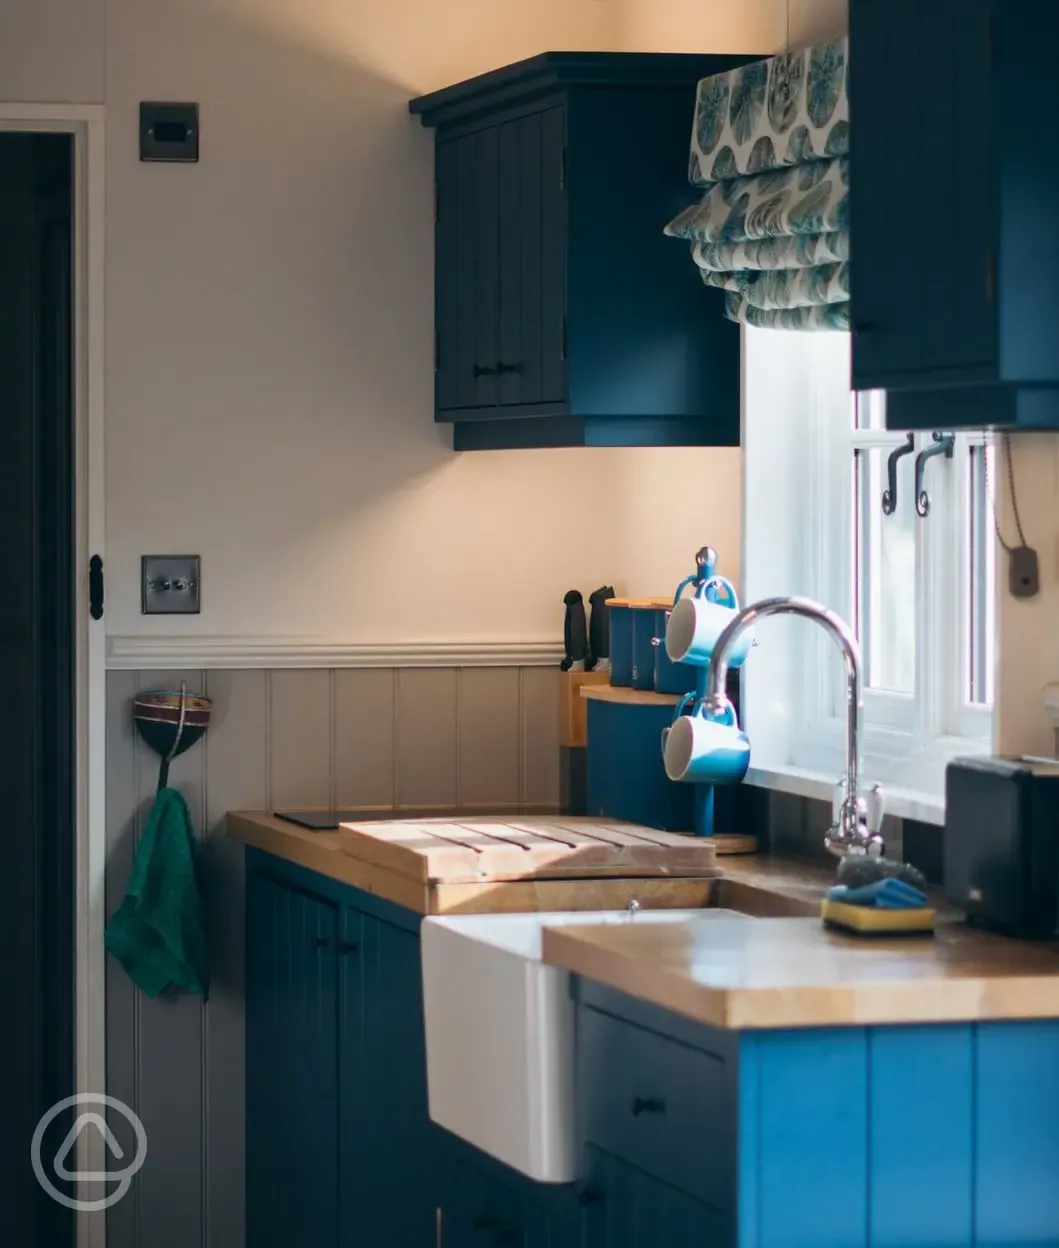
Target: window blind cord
<point>1014,498</point>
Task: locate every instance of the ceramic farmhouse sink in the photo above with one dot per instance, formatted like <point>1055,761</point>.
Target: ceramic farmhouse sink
<point>500,1034</point>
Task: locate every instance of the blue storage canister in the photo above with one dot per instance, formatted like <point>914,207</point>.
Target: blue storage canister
<point>670,677</point>
<point>619,615</point>
<point>643,611</point>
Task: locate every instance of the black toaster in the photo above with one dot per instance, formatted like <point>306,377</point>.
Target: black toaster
<point>1002,843</point>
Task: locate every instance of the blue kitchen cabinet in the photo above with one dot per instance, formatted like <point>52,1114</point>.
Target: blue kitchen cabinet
<point>955,287</point>
<point>563,315</point>
<point>291,1067</point>
<point>477,1210</point>
<point>625,1208</point>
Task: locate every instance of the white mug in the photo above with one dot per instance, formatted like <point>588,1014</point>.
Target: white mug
<point>697,622</point>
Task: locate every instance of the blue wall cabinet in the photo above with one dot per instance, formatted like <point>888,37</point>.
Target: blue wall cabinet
<point>955,291</point>
<point>563,315</point>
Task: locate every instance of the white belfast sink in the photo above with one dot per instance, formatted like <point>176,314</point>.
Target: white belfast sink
<point>500,1035</point>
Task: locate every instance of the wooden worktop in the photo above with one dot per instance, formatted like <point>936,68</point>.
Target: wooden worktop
<point>345,857</point>
<point>753,973</point>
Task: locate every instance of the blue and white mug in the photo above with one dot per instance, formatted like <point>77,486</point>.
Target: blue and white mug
<point>701,749</point>
<point>697,622</point>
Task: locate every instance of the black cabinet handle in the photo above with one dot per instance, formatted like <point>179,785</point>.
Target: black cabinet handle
<point>348,946</point>
<point>483,370</point>
<point>503,368</point>
<point>320,942</point>
<point>647,1105</point>
<point>589,1196</point>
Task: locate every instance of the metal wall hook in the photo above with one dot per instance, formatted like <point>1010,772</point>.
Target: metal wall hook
<point>889,498</point>
<point>944,444</point>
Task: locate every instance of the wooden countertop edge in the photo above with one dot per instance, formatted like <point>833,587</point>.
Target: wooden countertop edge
<point>960,999</point>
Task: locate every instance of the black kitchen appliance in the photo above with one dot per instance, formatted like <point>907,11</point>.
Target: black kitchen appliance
<point>1001,843</point>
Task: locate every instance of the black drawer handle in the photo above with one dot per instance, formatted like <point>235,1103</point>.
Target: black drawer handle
<point>503,368</point>
<point>483,370</point>
<point>647,1105</point>
<point>589,1196</point>
<point>348,946</point>
<point>320,942</point>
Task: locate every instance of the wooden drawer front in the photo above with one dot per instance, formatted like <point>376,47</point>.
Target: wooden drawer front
<point>659,1104</point>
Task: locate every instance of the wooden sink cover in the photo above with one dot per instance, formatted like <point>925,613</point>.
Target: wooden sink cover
<point>500,848</point>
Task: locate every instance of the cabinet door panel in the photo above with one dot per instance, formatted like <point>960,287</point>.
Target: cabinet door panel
<point>447,276</point>
<point>521,260</point>
<point>553,248</point>
<point>292,1136</point>
<point>387,1185</point>
<point>478,217</point>
<point>531,259</point>
<point>628,1209</point>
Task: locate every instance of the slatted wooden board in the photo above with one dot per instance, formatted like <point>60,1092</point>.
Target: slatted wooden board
<point>553,847</point>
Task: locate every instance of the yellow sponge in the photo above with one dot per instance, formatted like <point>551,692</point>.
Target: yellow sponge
<point>875,920</point>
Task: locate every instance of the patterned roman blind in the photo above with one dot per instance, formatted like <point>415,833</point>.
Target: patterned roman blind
<point>770,145</point>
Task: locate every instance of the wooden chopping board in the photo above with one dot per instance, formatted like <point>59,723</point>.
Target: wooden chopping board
<point>479,850</point>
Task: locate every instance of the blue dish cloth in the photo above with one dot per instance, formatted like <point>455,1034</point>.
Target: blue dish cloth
<point>888,894</point>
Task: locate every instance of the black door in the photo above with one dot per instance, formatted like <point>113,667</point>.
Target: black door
<point>37,758</point>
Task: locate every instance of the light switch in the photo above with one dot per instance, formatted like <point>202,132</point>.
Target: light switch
<point>170,585</point>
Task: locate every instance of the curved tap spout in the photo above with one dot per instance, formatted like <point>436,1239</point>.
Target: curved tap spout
<point>852,833</point>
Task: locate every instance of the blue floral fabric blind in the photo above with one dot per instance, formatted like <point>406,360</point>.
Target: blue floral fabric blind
<point>770,146</point>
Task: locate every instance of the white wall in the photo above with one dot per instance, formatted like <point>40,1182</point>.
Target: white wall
<point>269,323</point>
<point>52,51</point>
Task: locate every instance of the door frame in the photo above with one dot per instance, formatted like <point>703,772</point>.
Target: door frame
<point>85,122</point>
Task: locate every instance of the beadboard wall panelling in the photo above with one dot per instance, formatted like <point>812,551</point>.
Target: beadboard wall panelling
<point>456,738</point>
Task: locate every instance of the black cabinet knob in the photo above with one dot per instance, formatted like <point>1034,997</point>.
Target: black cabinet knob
<point>348,946</point>
<point>589,1196</point>
<point>320,942</point>
<point>648,1105</point>
<point>483,370</point>
<point>508,368</point>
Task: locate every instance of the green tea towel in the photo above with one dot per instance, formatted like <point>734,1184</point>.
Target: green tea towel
<point>158,933</point>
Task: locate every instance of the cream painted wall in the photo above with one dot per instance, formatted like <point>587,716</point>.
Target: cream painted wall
<point>51,51</point>
<point>764,26</point>
<point>269,342</point>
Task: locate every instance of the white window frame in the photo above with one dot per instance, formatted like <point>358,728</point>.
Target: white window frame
<point>797,500</point>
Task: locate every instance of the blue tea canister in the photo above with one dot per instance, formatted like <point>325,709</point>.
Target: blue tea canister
<point>643,612</point>
<point>619,614</point>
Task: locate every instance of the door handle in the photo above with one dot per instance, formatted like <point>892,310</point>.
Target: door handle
<point>95,587</point>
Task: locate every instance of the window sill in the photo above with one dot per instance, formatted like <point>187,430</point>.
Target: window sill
<point>902,803</point>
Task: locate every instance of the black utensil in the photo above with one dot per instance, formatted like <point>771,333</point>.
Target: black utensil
<point>599,629</point>
<point>575,632</point>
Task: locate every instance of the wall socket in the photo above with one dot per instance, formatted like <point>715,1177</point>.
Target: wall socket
<point>170,585</point>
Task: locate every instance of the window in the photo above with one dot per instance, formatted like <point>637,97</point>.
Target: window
<point>915,578</point>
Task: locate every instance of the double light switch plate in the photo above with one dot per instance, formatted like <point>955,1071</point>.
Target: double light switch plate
<point>170,585</point>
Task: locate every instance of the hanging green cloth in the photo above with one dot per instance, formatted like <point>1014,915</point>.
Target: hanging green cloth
<point>158,933</point>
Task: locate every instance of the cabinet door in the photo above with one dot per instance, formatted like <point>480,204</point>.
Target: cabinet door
<point>625,1208</point>
<point>476,226</point>
<point>291,1080</point>
<point>387,1182</point>
<point>530,367</point>
<point>923,216</point>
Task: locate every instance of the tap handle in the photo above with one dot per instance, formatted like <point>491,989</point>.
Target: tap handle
<point>876,809</point>
<point>838,798</point>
